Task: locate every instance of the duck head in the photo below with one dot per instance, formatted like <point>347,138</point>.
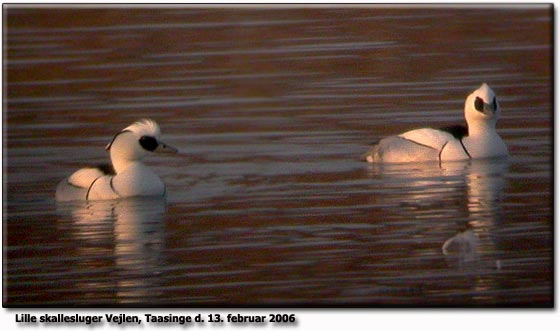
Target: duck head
<point>482,109</point>
<point>136,141</point>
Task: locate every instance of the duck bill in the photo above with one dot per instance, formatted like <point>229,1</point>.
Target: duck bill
<point>489,109</point>
<point>165,148</point>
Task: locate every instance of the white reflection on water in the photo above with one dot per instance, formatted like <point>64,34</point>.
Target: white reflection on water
<point>463,246</point>
<point>473,189</point>
<point>132,234</point>
<point>271,113</point>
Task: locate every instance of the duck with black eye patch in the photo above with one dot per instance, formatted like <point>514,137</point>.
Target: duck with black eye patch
<point>126,176</point>
<point>478,140</point>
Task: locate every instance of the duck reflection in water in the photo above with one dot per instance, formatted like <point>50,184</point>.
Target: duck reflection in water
<point>120,239</point>
<point>471,191</point>
<point>463,246</point>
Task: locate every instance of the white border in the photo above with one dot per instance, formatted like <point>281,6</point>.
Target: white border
<point>340,319</point>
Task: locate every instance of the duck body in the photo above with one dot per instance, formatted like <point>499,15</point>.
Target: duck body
<point>477,140</point>
<point>137,180</point>
<point>126,176</point>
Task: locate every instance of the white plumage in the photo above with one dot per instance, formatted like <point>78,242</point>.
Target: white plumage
<point>127,176</point>
<point>478,140</point>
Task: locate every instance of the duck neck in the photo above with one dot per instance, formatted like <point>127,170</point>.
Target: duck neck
<point>120,161</point>
<point>124,151</point>
<point>482,128</point>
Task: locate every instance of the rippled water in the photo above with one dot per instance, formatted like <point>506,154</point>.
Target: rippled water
<point>269,203</point>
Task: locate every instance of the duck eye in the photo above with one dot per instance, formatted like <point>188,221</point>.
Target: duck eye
<point>148,143</point>
<point>479,104</point>
<point>495,104</point>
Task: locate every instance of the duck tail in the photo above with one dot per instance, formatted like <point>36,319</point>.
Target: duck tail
<point>369,156</point>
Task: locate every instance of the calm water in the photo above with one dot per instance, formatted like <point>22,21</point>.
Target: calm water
<point>269,203</point>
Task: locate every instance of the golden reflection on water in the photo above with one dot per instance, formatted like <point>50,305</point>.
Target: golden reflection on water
<point>271,109</point>
<point>130,233</point>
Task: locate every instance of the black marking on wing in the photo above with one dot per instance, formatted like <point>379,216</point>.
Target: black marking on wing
<point>113,187</point>
<point>465,149</point>
<point>106,169</point>
<point>441,151</point>
<point>89,189</point>
<point>73,185</point>
<point>417,143</point>
<point>458,131</point>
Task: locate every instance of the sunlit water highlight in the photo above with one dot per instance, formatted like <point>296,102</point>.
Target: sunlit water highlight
<point>269,203</point>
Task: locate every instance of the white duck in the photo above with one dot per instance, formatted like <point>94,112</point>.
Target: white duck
<point>127,176</point>
<point>476,141</point>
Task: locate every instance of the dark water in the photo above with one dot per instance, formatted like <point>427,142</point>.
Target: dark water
<point>269,203</point>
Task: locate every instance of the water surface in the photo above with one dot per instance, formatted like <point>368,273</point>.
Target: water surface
<point>269,202</point>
